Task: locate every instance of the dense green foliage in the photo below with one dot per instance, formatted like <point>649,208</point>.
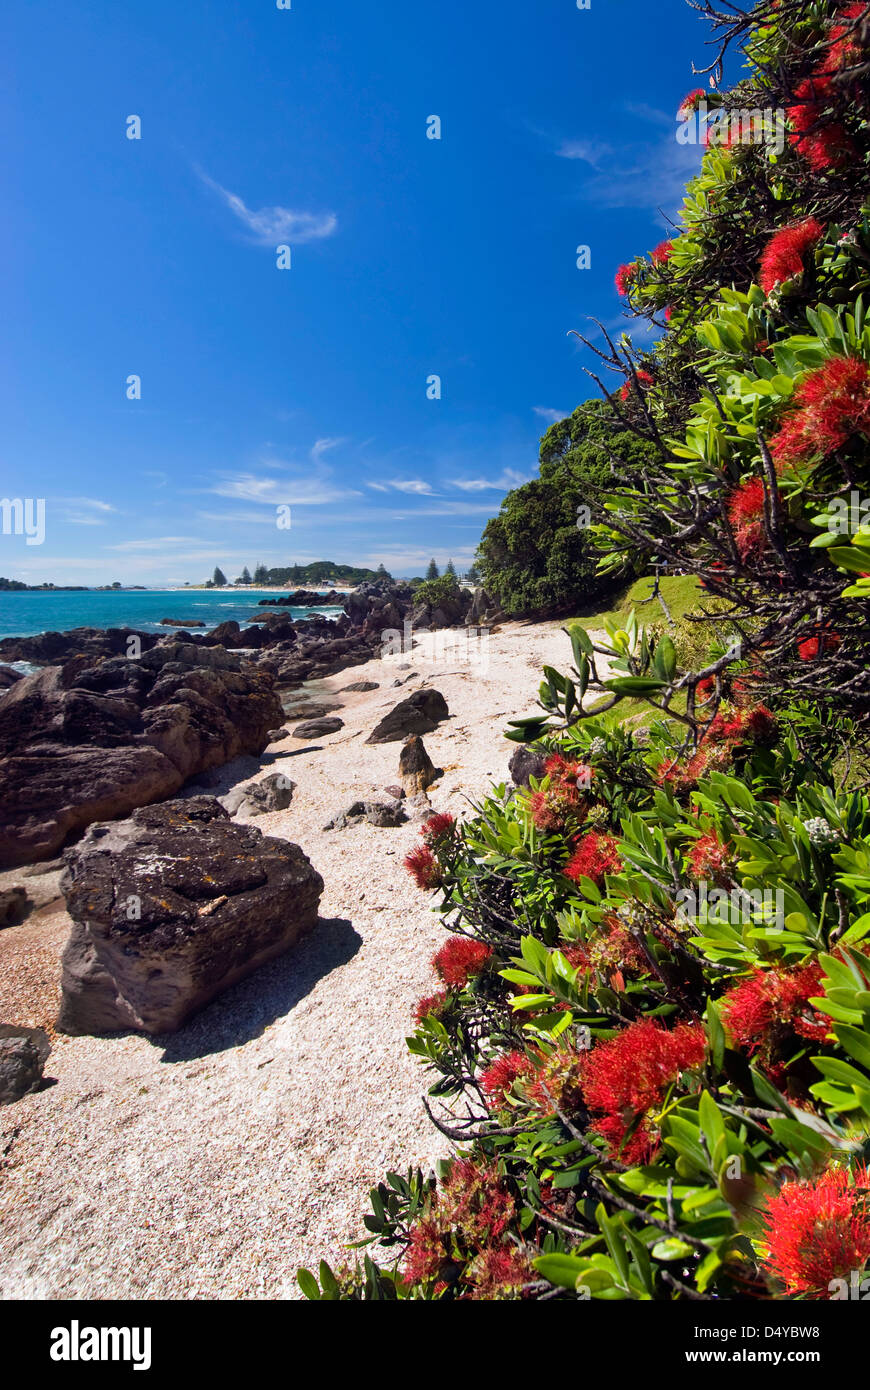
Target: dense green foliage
<point>536,555</point>
<point>651,1043</point>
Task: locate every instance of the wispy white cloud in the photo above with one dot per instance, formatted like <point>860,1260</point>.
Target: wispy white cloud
<point>154,543</point>
<point>416,487</point>
<point>552,417</point>
<point>592,152</point>
<point>510,478</point>
<point>275,491</point>
<point>82,511</point>
<point>323,446</point>
<point>272,226</point>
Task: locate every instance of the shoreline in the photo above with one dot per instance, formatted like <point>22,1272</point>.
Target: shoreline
<point>244,1145</point>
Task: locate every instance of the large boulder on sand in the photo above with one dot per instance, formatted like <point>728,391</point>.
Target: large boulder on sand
<point>86,742</point>
<point>170,908</point>
<point>420,713</point>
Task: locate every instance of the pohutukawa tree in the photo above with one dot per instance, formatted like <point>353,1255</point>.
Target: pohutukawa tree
<point>650,1036</point>
<point>757,397</point>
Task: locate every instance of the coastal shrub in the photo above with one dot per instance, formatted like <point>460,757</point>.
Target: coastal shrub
<point>651,1043</point>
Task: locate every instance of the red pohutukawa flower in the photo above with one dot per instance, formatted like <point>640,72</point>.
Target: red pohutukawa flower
<point>819,1231</point>
<point>845,50</point>
<point>423,867</point>
<point>438,828</point>
<point>500,1076</point>
<point>564,800</point>
<point>626,1079</point>
<point>644,380</point>
<point>625,277</point>
<point>594,856</point>
<point>662,253</point>
<point>708,855</point>
<point>459,959</point>
<point>689,104</point>
<point>426,1253</point>
<point>431,1007</point>
<point>783,256</point>
<point>746,513</point>
<point>474,1200</point>
<point>831,405</point>
<point>813,647</point>
<point>499,1271</point>
<point>823,146</point>
<point>764,1012</point>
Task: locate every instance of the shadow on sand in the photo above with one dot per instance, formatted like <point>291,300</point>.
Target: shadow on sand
<point>243,1012</point>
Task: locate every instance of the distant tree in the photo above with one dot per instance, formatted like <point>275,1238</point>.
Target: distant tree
<point>261,574</point>
<point>536,555</point>
<point>433,571</point>
<point>473,574</point>
<point>383,572</point>
<point>219,579</point>
<point>451,568</point>
<point>244,577</point>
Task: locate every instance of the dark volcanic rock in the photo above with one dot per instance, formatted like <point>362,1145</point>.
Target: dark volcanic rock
<point>87,742</point>
<point>79,641</point>
<point>419,714</point>
<point>13,906</point>
<point>359,687</point>
<point>524,764</point>
<point>8,677</point>
<point>181,622</point>
<point>23,1055</point>
<point>385,814</point>
<point>318,728</point>
<point>170,908</point>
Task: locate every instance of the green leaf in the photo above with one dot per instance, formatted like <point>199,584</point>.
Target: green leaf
<point>308,1284</point>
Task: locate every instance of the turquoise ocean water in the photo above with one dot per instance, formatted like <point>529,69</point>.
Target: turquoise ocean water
<point>23,614</point>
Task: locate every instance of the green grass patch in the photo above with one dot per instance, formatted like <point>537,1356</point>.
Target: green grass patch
<point>681,592</point>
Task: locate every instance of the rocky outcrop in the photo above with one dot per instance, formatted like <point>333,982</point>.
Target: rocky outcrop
<point>359,687</point>
<point>181,622</point>
<point>484,611</point>
<point>416,769</point>
<point>420,713</point>
<point>87,742</point>
<point>170,908</point>
<point>23,1055</point>
<point>305,598</point>
<point>56,647</point>
<point>450,611</point>
<point>8,677</point>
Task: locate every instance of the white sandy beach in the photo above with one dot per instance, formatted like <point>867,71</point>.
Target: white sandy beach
<point>214,1162</point>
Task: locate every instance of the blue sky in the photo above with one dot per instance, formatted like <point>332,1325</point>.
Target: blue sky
<point>410,258</point>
